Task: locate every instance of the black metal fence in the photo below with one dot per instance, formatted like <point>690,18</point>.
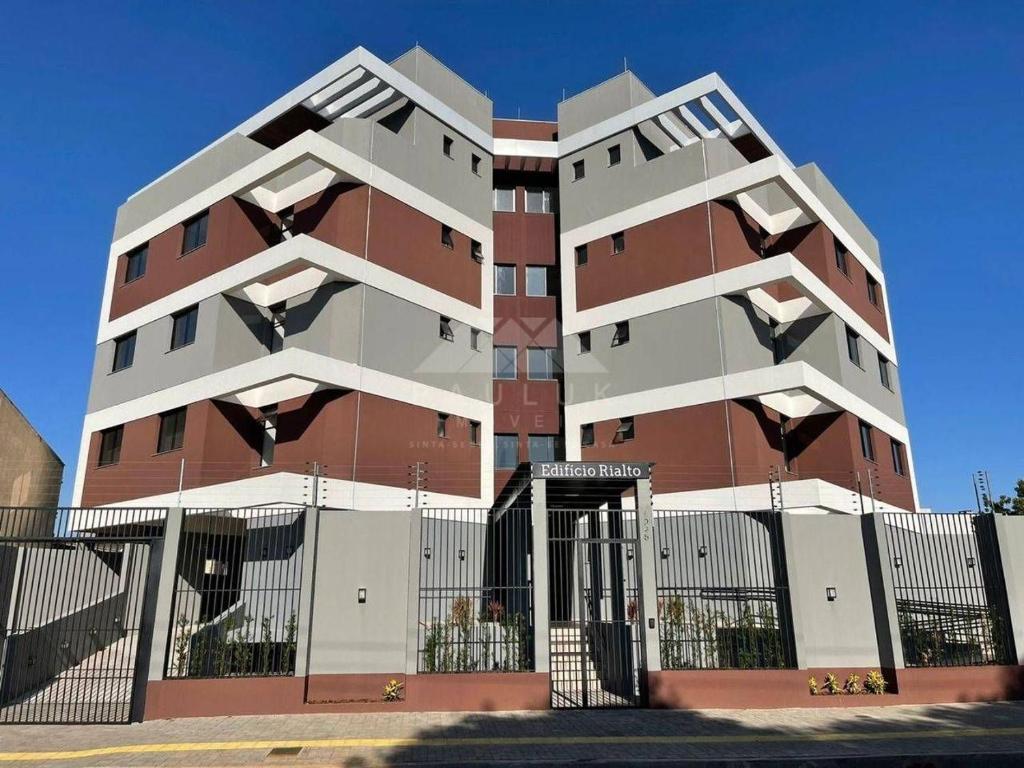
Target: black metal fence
<point>950,594</point>
<point>73,591</point>
<point>723,598</point>
<point>475,594</point>
<point>236,594</point>
<point>48,523</point>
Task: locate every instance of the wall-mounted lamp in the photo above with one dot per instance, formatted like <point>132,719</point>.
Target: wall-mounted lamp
<point>830,594</point>
<point>702,550</point>
<point>462,554</point>
<point>664,553</point>
<point>897,561</point>
<point>426,553</point>
<point>629,553</point>
<point>361,595</point>
<point>970,562</point>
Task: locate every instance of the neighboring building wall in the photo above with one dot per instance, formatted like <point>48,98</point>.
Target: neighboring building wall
<point>30,472</point>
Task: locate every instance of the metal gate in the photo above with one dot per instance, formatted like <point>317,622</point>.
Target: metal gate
<point>598,657</point>
<point>72,609</point>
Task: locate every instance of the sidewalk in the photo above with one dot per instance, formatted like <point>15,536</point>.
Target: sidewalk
<point>624,737</point>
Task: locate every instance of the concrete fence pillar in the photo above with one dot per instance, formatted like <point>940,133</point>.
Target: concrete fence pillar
<point>412,639</point>
<point>795,587</point>
<point>156,623</point>
<point>883,593</point>
<point>541,609</point>
<point>307,589</point>
<point>648,577</point>
<point>1010,540</point>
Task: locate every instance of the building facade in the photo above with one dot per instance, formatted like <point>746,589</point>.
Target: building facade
<point>374,295</point>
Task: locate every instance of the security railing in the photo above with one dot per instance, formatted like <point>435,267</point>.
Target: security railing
<point>236,594</point>
<point>723,599</point>
<point>951,602</point>
<point>475,593</point>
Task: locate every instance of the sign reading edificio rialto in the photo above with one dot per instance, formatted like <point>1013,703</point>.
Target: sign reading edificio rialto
<point>590,470</point>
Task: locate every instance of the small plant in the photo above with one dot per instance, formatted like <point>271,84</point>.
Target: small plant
<point>812,684</point>
<point>832,684</point>
<point>182,641</point>
<point>852,685</point>
<point>393,691</point>
<point>874,682</point>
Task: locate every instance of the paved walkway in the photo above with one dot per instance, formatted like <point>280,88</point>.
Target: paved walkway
<point>624,737</point>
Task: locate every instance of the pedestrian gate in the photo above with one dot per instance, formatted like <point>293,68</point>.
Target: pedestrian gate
<point>597,650</point>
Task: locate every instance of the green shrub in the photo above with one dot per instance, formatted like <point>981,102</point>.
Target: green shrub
<point>832,684</point>
<point>852,685</point>
<point>812,684</point>
<point>393,691</point>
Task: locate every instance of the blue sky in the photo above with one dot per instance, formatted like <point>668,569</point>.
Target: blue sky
<point>913,111</point>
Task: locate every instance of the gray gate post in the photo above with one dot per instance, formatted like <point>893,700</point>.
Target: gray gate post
<point>883,593</point>
<point>541,611</point>
<point>412,636</point>
<point>798,603</point>
<point>1010,540</point>
<point>156,621</point>
<point>304,628</point>
<point>648,578</point>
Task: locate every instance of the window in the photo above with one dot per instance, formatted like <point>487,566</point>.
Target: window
<point>505,199</point>
<point>183,330</point>
<point>474,164</point>
<point>853,345</point>
<point>542,363</point>
<point>446,146</point>
<point>172,431</point>
<point>586,435</point>
<point>445,329</point>
<point>135,263</point>
<point>504,362</point>
<point>504,280</point>
<point>883,372</point>
<point>278,315</point>
<point>442,425</point>
<point>578,170</point>
<point>898,465</point>
<point>506,451</point>
<point>621,334</point>
<point>584,342</point>
<point>581,255</point>
<point>537,281</point>
<point>540,201</point>
<point>841,260</point>
<point>618,242</point>
<point>474,433</point>
<point>867,445</point>
<point>625,430</point>
<point>195,233</point>
<point>543,448</point>
<point>614,155</point>
<point>873,294</point>
<point>476,251</point>
<point>474,339</point>
<point>269,418</point>
<point>124,352</point>
<point>110,445</point>
<point>446,236</point>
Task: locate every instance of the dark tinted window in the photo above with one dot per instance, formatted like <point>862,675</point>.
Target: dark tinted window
<point>124,351</point>
<point>183,331</point>
<point>135,266</point>
<point>110,445</point>
<point>195,232</point>
<point>172,430</point>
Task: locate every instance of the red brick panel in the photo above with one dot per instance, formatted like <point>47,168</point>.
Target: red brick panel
<point>235,231</point>
<point>666,251</point>
<point>408,242</point>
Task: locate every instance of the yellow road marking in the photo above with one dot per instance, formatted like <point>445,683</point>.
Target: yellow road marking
<point>526,741</point>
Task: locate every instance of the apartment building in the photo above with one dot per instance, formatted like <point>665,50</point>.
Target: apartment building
<point>372,294</point>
